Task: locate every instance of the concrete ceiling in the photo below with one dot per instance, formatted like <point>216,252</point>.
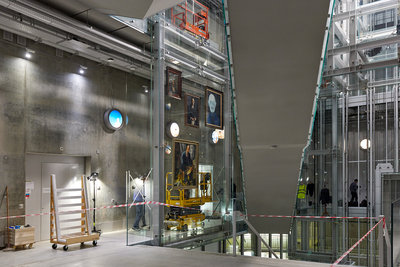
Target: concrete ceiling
<point>134,8</point>
<point>276,48</point>
<point>91,15</point>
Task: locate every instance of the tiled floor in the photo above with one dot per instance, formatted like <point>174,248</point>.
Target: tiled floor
<point>112,251</point>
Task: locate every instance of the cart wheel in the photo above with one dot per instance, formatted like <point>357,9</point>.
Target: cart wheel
<point>30,245</point>
<point>54,246</point>
<point>94,242</point>
<point>65,248</point>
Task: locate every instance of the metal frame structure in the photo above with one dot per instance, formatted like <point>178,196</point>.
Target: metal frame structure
<point>358,99</point>
<point>193,18</point>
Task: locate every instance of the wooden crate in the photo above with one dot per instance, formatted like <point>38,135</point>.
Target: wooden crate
<point>22,237</point>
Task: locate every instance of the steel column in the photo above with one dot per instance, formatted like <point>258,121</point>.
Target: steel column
<point>158,100</point>
<point>334,178</point>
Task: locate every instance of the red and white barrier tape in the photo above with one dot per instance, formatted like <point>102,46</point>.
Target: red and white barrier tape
<point>358,242</point>
<point>99,208</point>
<point>169,205</point>
<point>311,217</point>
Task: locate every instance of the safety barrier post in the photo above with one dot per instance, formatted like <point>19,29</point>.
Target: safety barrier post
<point>380,241</point>
<point>234,232</point>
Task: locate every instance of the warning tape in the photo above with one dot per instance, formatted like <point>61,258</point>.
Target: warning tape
<point>99,208</point>
<point>358,242</point>
<point>311,217</point>
<point>170,205</point>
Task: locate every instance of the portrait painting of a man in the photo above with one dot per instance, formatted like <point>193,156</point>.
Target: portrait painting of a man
<point>174,83</point>
<point>192,110</point>
<point>185,164</point>
<point>214,108</point>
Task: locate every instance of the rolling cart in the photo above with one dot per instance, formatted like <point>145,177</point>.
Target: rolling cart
<point>69,211</point>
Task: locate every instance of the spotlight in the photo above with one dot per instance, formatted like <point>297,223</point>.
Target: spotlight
<point>176,62</point>
<point>28,53</point>
<point>82,69</point>
<point>93,176</point>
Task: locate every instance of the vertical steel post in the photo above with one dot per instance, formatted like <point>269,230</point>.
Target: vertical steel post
<point>396,125</point>
<point>334,178</point>
<point>242,244</point>
<point>126,203</point>
<point>228,159</point>
<point>391,232</point>
<point>158,100</point>
<point>224,246</point>
<point>371,165</point>
<point>234,232</point>
<point>270,244</point>
<point>380,243</point>
<point>281,246</point>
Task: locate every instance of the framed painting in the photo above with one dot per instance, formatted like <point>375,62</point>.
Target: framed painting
<point>174,83</point>
<point>214,108</point>
<point>185,164</point>
<point>192,110</point>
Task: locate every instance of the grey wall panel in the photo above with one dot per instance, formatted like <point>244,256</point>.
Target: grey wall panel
<point>47,107</point>
<point>276,53</point>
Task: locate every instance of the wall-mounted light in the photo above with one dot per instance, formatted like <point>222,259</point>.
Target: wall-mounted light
<point>214,137</point>
<point>365,144</point>
<point>93,176</point>
<point>173,129</point>
<point>82,69</point>
<point>168,150</point>
<point>29,53</point>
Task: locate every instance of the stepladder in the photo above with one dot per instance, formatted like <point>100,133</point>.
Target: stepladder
<point>69,215</point>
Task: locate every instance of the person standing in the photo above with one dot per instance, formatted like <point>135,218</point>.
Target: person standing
<point>138,196</point>
<point>353,191</point>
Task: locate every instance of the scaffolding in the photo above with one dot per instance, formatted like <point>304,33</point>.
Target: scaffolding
<point>191,16</point>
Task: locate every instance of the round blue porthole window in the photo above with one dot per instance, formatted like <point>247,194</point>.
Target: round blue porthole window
<point>113,119</point>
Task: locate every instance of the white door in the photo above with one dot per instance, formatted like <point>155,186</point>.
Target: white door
<point>67,176</point>
<point>38,168</point>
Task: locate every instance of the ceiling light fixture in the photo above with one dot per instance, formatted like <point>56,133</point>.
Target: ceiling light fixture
<point>180,61</point>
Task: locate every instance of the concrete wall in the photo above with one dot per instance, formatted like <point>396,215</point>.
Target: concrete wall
<point>276,48</point>
<point>47,107</point>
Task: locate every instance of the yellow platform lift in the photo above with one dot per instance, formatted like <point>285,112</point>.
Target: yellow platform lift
<point>181,218</point>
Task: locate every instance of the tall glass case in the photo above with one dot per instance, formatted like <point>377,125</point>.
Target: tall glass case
<point>191,95</point>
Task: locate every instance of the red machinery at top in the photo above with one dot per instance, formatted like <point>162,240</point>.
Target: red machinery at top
<point>191,16</point>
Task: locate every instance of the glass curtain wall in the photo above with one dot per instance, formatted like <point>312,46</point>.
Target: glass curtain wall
<point>354,135</point>
<point>191,121</point>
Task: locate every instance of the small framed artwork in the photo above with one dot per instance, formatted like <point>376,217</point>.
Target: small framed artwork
<point>214,108</point>
<point>192,110</point>
<point>185,164</point>
<point>174,83</point>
